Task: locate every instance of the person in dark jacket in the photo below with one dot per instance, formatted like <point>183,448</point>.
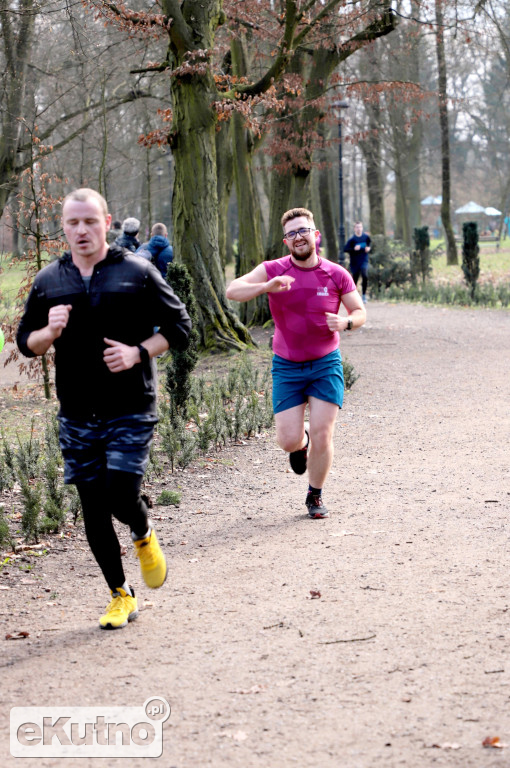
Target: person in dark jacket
<point>358,248</point>
<point>128,239</point>
<point>97,306</point>
<point>158,249</point>
<point>114,232</point>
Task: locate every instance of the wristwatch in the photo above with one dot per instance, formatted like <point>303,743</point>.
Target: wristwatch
<point>144,354</point>
<point>349,324</point>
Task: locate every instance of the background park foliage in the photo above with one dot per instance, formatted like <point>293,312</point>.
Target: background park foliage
<point>215,117</point>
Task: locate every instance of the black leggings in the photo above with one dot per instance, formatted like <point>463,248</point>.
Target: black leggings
<point>363,271</point>
<point>118,494</point>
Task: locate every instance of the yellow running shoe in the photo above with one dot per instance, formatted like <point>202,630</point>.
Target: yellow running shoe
<point>152,560</point>
<point>123,608</point>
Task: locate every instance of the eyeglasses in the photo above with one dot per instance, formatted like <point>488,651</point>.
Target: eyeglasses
<point>294,232</point>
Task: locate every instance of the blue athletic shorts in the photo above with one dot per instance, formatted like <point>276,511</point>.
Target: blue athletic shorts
<point>90,448</point>
<point>294,382</point>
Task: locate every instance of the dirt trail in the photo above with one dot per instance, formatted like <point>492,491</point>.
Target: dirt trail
<point>402,661</point>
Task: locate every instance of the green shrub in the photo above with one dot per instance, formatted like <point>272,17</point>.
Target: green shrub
<point>389,264</point>
<point>421,265</point>
<point>32,505</point>
<point>470,255</point>
<point>182,362</point>
<point>167,498</point>
<point>5,536</point>
<point>350,375</point>
<point>7,466</point>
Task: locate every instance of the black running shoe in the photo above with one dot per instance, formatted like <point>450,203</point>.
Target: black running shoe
<point>299,458</point>
<point>316,508</point>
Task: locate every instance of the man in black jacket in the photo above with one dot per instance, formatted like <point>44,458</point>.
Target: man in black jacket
<point>97,305</point>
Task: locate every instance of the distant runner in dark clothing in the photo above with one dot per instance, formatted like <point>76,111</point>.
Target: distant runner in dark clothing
<point>358,248</point>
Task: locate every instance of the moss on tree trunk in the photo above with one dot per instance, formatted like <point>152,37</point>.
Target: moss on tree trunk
<point>195,196</point>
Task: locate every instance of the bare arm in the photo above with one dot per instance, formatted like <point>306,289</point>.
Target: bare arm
<point>41,340</point>
<point>256,283</point>
<point>355,312</point>
<point>121,357</point>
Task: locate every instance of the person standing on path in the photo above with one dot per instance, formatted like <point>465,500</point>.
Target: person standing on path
<point>128,239</point>
<point>158,249</point>
<point>97,305</point>
<point>305,293</point>
<point>358,248</point>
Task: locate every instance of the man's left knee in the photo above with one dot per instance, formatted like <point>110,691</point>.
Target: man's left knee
<point>322,438</point>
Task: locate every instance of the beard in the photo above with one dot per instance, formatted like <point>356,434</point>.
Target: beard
<point>303,255</point>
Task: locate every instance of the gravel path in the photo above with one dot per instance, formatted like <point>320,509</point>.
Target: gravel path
<point>401,661</point>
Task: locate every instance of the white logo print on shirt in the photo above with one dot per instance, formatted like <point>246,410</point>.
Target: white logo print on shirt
<point>322,290</point>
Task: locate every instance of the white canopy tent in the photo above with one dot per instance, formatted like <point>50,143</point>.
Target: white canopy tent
<point>471,207</point>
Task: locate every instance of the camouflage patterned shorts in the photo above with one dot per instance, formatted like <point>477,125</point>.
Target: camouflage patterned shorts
<point>90,448</point>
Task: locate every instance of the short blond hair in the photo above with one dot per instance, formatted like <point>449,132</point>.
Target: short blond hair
<point>293,213</point>
<point>83,194</point>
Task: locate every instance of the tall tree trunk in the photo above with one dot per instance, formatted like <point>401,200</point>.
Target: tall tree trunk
<point>505,209</point>
<point>372,152</point>
<point>279,202</point>
<point>17,239</point>
<point>402,231</point>
<point>413,175</point>
<point>195,214</point>
<point>225,179</point>
<point>300,190</point>
<point>16,34</point>
<point>251,246</point>
<point>250,242</point>
<point>195,195</point>
<point>414,145</point>
<point>451,248</point>
<point>325,194</point>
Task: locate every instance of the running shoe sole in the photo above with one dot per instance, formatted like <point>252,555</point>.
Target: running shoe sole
<point>298,459</point>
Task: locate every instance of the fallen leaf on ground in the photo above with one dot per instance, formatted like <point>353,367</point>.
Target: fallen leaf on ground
<point>18,636</point>
<point>494,742</point>
<point>315,594</point>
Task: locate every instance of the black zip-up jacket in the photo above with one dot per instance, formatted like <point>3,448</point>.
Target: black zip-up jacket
<point>127,298</point>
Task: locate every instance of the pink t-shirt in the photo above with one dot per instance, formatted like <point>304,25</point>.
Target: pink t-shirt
<point>301,330</point>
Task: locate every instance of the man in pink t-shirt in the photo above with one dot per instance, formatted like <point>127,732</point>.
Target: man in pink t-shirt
<point>305,293</point>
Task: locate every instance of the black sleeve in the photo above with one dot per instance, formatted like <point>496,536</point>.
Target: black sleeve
<point>348,246</point>
<point>369,240</point>
<point>35,317</point>
<point>169,312</point>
